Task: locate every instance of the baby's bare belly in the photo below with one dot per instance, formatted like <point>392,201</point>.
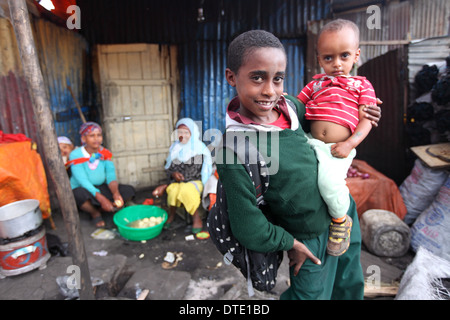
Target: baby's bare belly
<point>329,132</point>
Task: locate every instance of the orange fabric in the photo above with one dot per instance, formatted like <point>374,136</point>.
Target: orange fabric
<point>376,192</point>
<point>339,220</point>
<point>22,176</point>
<point>60,7</point>
<point>105,154</point>
<point>212,200</point>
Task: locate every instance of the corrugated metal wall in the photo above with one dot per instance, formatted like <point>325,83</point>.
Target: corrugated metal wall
<point>428,51</point>
<point>385,147</point>
<point>205,93</point>
<point>175,21</point>
<point>388,68</point>
<point>430,18</point>
<point>404,20</point>
<point>202,45</point>
<point>15,101</point>
<point>64,59</point>
<point>16,107</point>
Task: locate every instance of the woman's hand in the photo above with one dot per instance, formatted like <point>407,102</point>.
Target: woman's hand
<point>178,176</point>
<point>298,255</point>
<point>114,188</point>
<point>159,190</point>
<point>106,205</point>
<point>118,200</point>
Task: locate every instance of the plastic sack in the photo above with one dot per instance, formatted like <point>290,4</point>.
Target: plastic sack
<point>22,176</point>
<point>422,278</point>
<point>377,191</point>
<point>432,228</point>
<point>420,188</point>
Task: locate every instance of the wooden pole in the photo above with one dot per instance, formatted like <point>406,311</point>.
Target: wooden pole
<point>83,119</point>
<point>41,106</point>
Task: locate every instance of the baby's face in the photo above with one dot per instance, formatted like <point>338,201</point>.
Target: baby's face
<point>65,149</point>
<point>338,51</point>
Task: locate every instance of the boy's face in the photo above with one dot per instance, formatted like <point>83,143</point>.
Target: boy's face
<point>259,83</point>
<point>338,51</point>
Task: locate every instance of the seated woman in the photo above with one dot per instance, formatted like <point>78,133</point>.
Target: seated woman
<point>93,179</point>
<point>188,166</point>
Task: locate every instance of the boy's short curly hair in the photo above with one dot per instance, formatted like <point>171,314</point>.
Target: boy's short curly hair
<point>244,45</point>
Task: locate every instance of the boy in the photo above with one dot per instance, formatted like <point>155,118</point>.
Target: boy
<point>333,101</point>
<point>256,68</point>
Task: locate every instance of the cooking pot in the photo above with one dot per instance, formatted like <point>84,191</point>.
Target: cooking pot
<point>18,218</point>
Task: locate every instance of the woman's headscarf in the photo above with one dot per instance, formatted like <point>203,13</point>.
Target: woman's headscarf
<point>88,127</point>
<point>65,140</point>
<point>185,151</point>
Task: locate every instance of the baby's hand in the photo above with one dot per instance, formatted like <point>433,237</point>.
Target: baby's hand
<point>341,149</point>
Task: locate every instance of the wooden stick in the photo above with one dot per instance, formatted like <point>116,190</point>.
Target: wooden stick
<point>78,106</point>
<point>57,172</point>
<point>381,291</point>
<point>143,294</point>
<point>384,42</point>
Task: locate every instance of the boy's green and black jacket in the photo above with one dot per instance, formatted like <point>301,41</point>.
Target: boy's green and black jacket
<point>293,199</point>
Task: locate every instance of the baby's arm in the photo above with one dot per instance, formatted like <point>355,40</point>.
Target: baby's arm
<point>342,149</point>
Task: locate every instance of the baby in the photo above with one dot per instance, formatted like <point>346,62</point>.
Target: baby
<point>334,103</point>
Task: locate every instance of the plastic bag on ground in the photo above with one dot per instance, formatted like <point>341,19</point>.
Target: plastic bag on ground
<point>420,188</point>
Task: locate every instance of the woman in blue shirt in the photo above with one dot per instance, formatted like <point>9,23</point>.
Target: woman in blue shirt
<point>93,176</point>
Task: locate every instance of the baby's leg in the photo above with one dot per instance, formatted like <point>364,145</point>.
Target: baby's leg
<point>331,176</point>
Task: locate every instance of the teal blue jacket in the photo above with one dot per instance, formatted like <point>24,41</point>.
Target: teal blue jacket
<point>83,176</point>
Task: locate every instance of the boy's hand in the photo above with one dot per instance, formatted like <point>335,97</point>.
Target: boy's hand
<point>373,113</point>
<point>298,255</point>
<point>341,149</point>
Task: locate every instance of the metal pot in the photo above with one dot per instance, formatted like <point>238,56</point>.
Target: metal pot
<point>19,217</point>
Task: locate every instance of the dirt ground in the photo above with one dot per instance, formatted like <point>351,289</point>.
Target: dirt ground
<point>210,278</point>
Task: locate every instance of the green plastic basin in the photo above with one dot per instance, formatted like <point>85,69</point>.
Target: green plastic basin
<point>133,213</point>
